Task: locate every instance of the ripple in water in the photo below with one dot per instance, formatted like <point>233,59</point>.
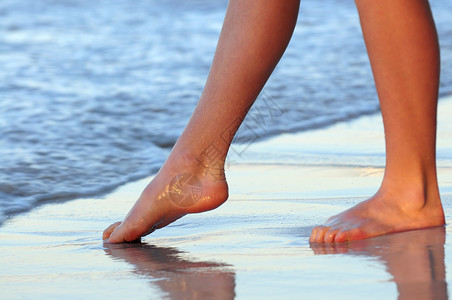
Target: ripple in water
<point>94,94</point>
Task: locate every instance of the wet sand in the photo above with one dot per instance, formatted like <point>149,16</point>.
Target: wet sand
<point>253,247</point>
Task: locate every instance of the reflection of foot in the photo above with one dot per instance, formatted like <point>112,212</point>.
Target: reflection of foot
<point>174,274</point>
<point>381,214</point>
<point>415,259</point>
<point>170,195</point>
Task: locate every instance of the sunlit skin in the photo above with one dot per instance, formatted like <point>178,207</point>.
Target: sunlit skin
<point>253,39</point>
<point>403,49</point>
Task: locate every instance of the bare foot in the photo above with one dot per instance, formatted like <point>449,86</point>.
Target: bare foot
<point>382,214</point>
<point>178,189</point>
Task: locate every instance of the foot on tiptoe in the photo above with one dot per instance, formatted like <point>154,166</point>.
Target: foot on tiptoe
<point>178,189</point>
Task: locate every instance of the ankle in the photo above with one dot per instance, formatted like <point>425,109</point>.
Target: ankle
<point>208,162</point>
<point>421,191</point>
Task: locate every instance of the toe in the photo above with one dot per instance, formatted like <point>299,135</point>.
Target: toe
<point>330,235</point>
<point>318,234</point>
<point>109,230</point>
<point>341,237</point>
<point>350,235</point>
<point>314,234</point>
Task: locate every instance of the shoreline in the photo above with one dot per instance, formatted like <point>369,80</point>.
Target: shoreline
<point>307,147</point>
<point>253,246</point>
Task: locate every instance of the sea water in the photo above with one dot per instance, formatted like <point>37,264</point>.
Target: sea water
<point>94,94</point>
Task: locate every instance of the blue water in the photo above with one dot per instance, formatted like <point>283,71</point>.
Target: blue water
<point>93,94</point>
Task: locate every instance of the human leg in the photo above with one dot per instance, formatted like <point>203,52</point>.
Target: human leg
<point>253,39</point>
<point>402,44</point>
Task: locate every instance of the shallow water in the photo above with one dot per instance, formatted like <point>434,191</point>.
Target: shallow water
<point>94,94</point>
<point>255,246</point>
<point>247,249</point>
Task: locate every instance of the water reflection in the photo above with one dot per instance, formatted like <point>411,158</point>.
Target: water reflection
<point>175,274</point>
<point>415,259</point>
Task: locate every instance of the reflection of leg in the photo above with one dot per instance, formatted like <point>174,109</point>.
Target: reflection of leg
<point>177,277</point>
<point>403,49</point>
<point>415,259</point>
<point>419,271</point>
<point>254,37</point>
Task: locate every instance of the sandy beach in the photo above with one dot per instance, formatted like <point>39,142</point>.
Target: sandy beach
<point>255,246</point>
